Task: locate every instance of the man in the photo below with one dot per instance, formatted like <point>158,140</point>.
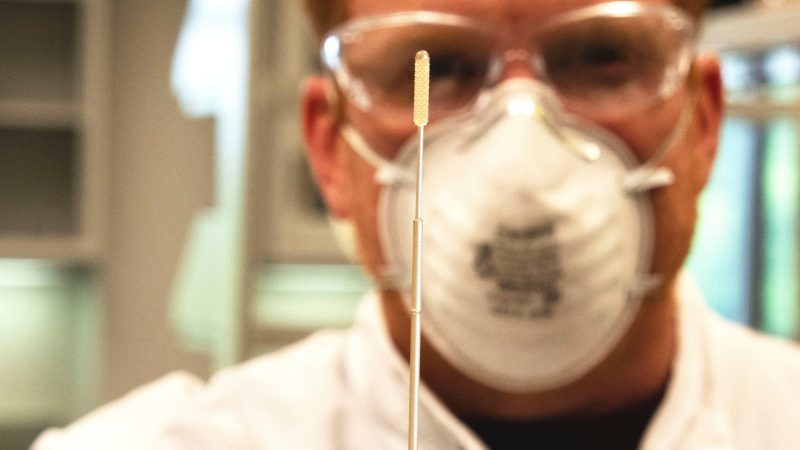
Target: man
<point>568,144</point>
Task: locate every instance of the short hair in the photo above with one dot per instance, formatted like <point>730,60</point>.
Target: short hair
<point>326,14</point>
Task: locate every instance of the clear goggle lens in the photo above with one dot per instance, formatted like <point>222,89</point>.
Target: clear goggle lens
<point>603,61</point>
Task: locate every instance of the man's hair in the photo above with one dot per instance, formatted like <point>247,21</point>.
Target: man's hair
<point>326,14</point>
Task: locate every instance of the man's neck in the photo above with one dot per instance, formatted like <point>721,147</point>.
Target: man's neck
<point>635,370</point>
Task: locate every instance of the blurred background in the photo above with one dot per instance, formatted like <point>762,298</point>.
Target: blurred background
<point>156,212</point>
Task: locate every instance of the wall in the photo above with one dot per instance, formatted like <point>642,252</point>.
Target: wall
<point>161,175</point>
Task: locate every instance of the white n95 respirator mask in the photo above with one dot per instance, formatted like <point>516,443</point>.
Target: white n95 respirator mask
<point>537,241</point>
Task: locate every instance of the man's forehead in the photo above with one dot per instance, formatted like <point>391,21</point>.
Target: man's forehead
<point>491,10</point>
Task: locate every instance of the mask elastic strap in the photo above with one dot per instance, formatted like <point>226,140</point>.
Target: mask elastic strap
<point>386,172</point>
<point>344,235</point>
<point>645,284</point>
<point>650,175</point>
<point>394,278</point>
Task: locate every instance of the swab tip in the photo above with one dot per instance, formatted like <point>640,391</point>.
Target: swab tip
<point>422,70</point>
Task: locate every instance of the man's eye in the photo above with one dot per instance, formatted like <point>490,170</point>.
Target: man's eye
<point>448,67</point>
<point>454,79</point>
<point>595,62</point>
<point>595,54</point>
<point>602,55</point>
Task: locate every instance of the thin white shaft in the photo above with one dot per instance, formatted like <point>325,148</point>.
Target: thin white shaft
<point>418,203</point>
<point>416,308</point>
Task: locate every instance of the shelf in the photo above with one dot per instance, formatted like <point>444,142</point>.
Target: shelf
<point>761,109</point>
<point>751,26</point>
<point>39,47</point>
<point>56,249</point>
<point>39,182</point>
<point>39,114</point>
<point>53,140</point>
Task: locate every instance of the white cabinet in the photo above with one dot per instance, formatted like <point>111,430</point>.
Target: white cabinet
<point>52,129</point>
<point>288,218</point>
<point>298,278</point>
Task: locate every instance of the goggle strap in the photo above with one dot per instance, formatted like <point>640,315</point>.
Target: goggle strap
<point>646,179</point>
<point>393,277</point>
<point>386,172</point>
<point>644,284</point>
<point>650,175</point>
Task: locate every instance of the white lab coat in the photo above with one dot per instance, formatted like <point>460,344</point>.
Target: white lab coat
<point>730,389</point>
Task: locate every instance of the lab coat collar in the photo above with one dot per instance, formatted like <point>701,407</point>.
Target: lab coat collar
<point>691,414</point>
<point>379,377</point>
<point>689,417</point>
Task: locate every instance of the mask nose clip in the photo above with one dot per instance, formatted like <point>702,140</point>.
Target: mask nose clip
<point>531,101</point>
<point>587,151</point>
<point>523,107</point>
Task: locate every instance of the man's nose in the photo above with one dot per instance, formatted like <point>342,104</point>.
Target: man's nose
<point>516,63</point>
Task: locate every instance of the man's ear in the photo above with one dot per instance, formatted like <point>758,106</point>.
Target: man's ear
<point>320,124</point>
<point>709,105</point>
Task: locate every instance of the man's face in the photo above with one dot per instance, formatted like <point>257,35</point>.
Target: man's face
<point>354,193</point>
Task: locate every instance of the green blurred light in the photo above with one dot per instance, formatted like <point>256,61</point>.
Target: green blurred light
<point>721,259</point>
<point>781,194</point>
<point>35,342</point>
<point>307,297</point>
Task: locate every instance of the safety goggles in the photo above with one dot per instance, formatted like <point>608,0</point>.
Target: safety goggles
<point>604,61</point>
